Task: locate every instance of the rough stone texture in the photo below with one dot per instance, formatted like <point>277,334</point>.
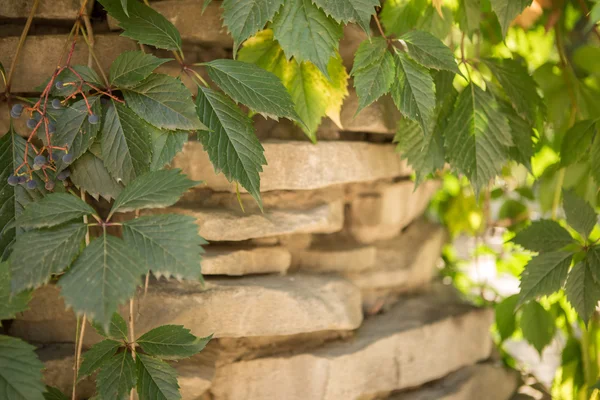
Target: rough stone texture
<point>228,225</point>
<point>419,340</point>
<point>302,165</point>
<point>248,307</point>
<point>354,35</point>
<point>55,9</point>
<point>382,213</point>
<point>489,381</point>
<point>337,258</point>
<point>39,56</point>
<point>232,260</point>
<point>193,377</point>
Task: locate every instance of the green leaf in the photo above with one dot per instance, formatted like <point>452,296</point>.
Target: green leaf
<point>89,173</point>
<point>171,342</point>
<point>544,274</point>
<point>105,275</point>
<point>506,319</point>
<point>165,145</point>
<point>73,129</point>
<point>593,260</point>
<point>580,214</point>
<point>67,76</point>
<point>156,380</point>
<point>306,33</point>
<point>232,145</point>
<point>429,51</point>
<point>131,67</point>
<point>97,355</point>
<point>155,189</point>
<point>583,292</point>
<point>344,11</point>
<point>373,71</point>
<point>54,209</point>
<point>53,393</point>
<point>117,377</point>
<point>20,370</point>
<point>53,251</point>
<point>477,136</point>
<point>117,329</point>
<point>468,15</point>
<point>578,137</point>
<point>124,5</point>
<point>144,24</point>
<point>595,158</point>
<point>543,236</point>
<point>537,325</point>
<point>126,146</point>
<point>169,244</point>
<point>243,18</point>
<point>414,92</point>
<point>163,101</point>
<point>254,87</point>
<point>507,11</point>
<point>399,17</point>
<point>522,136</point>
<point>10,304</point>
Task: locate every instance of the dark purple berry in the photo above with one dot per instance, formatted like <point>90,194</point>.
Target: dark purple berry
<point>93,119</point>
<point>39,160</point>
<point>62,175</point>
<point>59,85</point>
<point>104,101</point>
<point>67,158</point>
<point>49,185</point>
<point>36,167</point>
<point>13,180</point>
<point>17,108</point>
<point>31,123</point>
<point>31,184</point>
<point>15,116</point>
<point>22,179</point>
<point>56,104</point>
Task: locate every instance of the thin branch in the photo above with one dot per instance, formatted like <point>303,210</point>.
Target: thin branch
<point>131,338</point>
<point>89,40</point>
<point>379,27</point>
<point>77,362</point>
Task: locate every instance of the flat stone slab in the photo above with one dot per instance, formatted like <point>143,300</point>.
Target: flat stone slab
<point>419,340</point>
<point>294,165</point>
<point>232,260</point>
<point>248,307</point>
<point>342,258</point>
<point>55,9</point>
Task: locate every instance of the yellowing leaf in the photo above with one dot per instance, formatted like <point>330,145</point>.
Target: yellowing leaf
<point>438,6</point>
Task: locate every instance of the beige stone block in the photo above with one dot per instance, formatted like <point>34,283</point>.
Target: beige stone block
<point>40,56</point>
<point>341,258</point>
<point>354,35</point>
<point>382,213</point>
<point>303,166</point>
<point>55,9</point>
<point>421,339</point>
<point>248,307</point>
<point>239,260</point>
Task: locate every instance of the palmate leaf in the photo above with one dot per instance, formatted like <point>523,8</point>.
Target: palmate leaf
<point>538,325</point>
<point>68,76</point>
<point>156,380</point>
<point>344,11</point>
<point>155,189</point>
<point>544,275</point>
<point>169,244</point>
<point>117,377</point>
<point>254,87</point>
<point>578,137</point>
<point>126,146</point>
<point>10,304</point>
<point>89,173</point>
<point>506,319</point>
<point>165,145</point>
<point>468,15</point>
<point>580,214</point>
<point>373,71</point>
<point>97,355</point>
<point>232,145</point>
<point>595,158</point>
<point>477,136</point>
<point>507,11</point>
<point>399,17</point>
<point>306,33</point>
<point>105,275</point>
<point>171,342</point>
<point>54,209</point>
<point>429,51</point>
<point>243,18</point>
<point>131,67</point>
<point>163,101</point>
<point>543,236</point>
<point>144,24</point>
<point>53,393</point>
<point>522,136</point>
<point>117,329</point>
<point>20,370</point>
<point>40,253</point>
<point>593,260</point>
<point>583,291</point>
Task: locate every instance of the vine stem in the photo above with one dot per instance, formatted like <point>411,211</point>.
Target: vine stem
<point>131,339</point>
<point>379,27</point>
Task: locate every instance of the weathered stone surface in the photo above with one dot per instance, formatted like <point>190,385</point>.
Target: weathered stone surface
<point>419,340</point>
<point>231,260</point>
<point>221,225</point>
<point>193,377</point>
<point>489,381</point>
<point>354,35</point>
<point>56,9</point>
<point>382,213</point>
<point>303,166</point>
<point>253,306</point>
<point>339,258</point>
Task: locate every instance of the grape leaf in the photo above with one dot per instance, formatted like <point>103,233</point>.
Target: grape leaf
<point>477,136</point>
<point>156,189</point>
<point>254,87</point>
<point>506,319</point>
<point>373,71</point>
<point>54,209</point>
<point>126,146</point>
<point>429,51</point>
<point>163,101</point>
<point>593,260</point>
<point>131,67</point>
<point>414,91</point>
<point>54,250</point>
<point>90,174</point>
<point>117,377</point>
<point>232,145</point>
<point>171,342</point>
<point>20,370</point>
<point>507,11</point>
<point>117,329</point>
<point>169,244</point>
<point>165,145</point>
<point>10,304</point>
<point>583,291</point>
<point>53,393</point>
<point>522,136</point>
<point>344,11</point>
<point>144,24</point>
<point>105,275</point>
<point>580,214</point>
<point>156,379</point>
<point>468,15</point>
<point>543,236</point>
<point>306,33</point>
<point>97,355</point>
<point>578,137</point>
<point>595,158</point>
<point>243,18</point>
<point>399,17</point>
<point>124,5</point>
<point>67,76</point>
<point>544,274</point>
<point>537,325</point>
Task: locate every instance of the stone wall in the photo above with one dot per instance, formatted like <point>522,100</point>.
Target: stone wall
<point>327,295</point>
